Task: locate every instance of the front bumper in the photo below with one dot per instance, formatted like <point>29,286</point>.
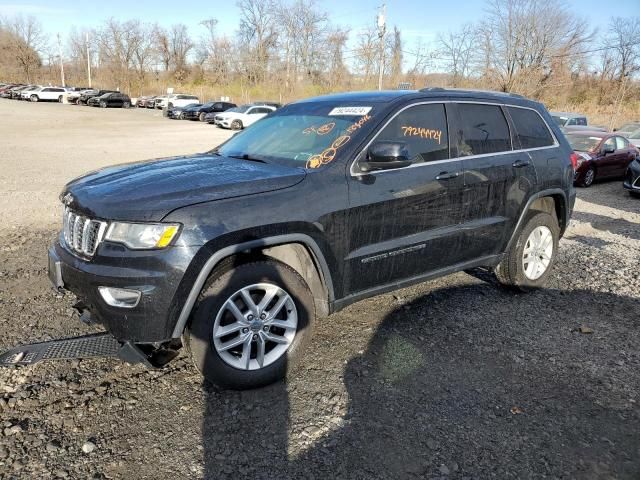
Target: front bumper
<point>632,177</point>
<point>157,274</point>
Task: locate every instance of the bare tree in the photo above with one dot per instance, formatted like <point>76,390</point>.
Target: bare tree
<point>395,54</point>
<point>27,41</point>
<point>458,50</point>
<point>625,48</point>
<point>337,71</point>
<point>366,53</point>
<point>257,35</point>
<point>528,34</point>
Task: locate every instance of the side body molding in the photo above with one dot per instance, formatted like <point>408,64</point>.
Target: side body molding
<point>221,254</point>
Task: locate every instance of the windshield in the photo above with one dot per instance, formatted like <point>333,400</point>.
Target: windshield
<point>241,109</point>
<point>304,135</point>
<point>583,143</point>
<point>562,121</point>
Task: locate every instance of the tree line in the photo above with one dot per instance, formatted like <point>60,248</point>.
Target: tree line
<point>291,48</point>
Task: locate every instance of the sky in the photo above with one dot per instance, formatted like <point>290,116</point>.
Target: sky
<point>418,20</point>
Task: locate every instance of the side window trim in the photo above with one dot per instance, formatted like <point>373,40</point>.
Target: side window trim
<point>354,173</point>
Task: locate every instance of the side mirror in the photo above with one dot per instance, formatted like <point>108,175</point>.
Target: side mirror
<point>385,156</point>
<point>608,149</point>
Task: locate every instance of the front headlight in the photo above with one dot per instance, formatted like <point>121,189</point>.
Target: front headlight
<point>142,235</point>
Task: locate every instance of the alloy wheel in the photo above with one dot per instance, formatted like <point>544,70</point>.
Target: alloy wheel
<point>537,253</point>
<point>589,177</point>
<point>255,326</point>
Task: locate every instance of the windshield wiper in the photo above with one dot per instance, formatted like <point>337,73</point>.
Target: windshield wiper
<point>246,156</point>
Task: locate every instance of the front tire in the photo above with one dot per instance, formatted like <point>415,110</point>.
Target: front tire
<point>250,324</point>
<point>202,116</point>
<point>60,99</point>
<point>34,98</point>
<point>528,262</point>
<point>126,105</point>
<point>588,178</point>
<point>236,125</point>
<point>103,104</point>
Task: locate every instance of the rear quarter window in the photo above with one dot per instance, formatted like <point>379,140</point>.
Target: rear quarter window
<point>530,129</point>
<point>483,129</point>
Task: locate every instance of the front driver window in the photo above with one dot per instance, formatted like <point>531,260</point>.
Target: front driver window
<point>609,144</point>
<point>424,130</point>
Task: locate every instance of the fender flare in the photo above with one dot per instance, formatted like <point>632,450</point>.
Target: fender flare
<point>544,193</point>
<point>217,257</point>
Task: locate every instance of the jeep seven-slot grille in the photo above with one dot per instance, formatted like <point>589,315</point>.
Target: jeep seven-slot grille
<point>82,234</point>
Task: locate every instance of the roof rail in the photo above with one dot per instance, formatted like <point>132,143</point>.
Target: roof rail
<point>463,90</point>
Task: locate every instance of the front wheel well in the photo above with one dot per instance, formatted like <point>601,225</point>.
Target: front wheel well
<point>296,256</point>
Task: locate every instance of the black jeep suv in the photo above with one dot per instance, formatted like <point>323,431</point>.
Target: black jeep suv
<point>238,251</point>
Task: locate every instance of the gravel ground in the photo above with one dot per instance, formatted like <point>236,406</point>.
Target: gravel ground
<point>452,379</point>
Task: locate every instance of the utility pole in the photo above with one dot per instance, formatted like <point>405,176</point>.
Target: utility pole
<point>61,60</point>
<point>88,60</point>
<point>382,28</point>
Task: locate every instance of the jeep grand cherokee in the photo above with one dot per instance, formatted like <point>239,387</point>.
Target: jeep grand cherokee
<point>237,252</point>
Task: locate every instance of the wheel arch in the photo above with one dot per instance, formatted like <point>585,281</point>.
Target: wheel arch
<point>299,251</point>
<point>553,201</point>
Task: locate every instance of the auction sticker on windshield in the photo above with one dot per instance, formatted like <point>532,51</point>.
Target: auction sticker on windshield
<point>350,110</point>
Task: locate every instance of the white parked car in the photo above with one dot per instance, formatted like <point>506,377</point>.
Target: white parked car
<point>178,100</point>
<point>240,117</point>
<point>45,94</point>
<point>26,93</point>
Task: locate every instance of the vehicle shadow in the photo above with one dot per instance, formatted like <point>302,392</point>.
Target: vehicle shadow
<point>245,433</point>
<point>618,226</point>
<point>466,382</point>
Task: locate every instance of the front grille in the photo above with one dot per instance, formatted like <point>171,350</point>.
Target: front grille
<point>82,234</point>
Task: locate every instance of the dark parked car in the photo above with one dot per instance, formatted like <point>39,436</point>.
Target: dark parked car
<point>15,92</point>
<point>600,155</point>
<point>632,178</point>
<point>568,119</point>
<point>88,95</point>
<point>177,113</point>
<point>322,203</point>
<point>113,99</point>
<point>200,112</point>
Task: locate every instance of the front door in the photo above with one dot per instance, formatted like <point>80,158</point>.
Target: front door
<point>404,222</point>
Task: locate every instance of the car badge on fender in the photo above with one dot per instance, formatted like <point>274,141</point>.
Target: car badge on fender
<point>67,199</point>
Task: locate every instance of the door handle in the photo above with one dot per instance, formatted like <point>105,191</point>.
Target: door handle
<point>447,175</point>
<point>521,163</point>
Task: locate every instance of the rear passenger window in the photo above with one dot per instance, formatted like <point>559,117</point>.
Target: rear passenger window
<point>531,131</point>
<point>424,129</point>
<point>483,129</point>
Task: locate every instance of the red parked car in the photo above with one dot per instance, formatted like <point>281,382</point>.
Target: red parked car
<point>600,155</point>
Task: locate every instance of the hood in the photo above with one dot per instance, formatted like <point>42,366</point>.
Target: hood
<point>148,191</point>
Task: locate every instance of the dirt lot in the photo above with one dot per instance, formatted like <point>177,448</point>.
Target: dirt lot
<point>454,378</point>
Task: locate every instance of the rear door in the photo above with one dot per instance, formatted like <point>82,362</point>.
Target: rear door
<point>405,222</point>
<point>498,179</point>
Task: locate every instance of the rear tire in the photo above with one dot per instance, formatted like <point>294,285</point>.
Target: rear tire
<point>527,264</point>
<point>239,367</point>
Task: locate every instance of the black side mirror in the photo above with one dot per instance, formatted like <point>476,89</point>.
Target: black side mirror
<point>385,156</point>
<point>608,149</point>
